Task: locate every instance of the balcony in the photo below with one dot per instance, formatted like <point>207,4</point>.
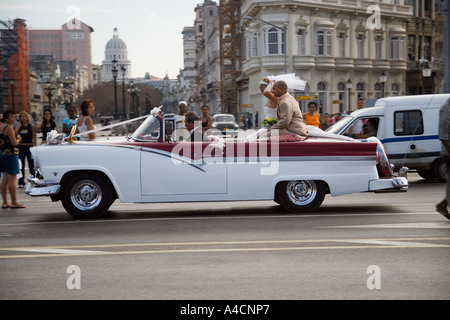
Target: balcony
<point>252,64</point>
<point>325,63</point>
<point>304,62</point>
<point>399,65</point>
<point>344,64</point>
<point>363,64</point>
<point>273,62</point>
<point>381,64</point>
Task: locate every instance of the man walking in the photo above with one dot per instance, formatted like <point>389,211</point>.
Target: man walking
<point>444,136</point>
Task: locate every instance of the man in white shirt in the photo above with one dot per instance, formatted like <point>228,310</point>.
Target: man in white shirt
<point>182,106</point>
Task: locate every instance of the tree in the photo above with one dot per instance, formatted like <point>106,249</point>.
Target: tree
<point>103,96</point>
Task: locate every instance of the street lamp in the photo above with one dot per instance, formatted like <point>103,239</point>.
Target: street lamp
<point>114,71</point>
<point>349,87</point>
<point>12,82</point>
<point>124,71</point>
<point>383,80</point>
<point>134,92</point>
<point>284,29</point>
<point>49,94</point>
<point>426,73</point>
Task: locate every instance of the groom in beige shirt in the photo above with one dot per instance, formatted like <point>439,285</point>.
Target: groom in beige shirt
<point>289,116</point>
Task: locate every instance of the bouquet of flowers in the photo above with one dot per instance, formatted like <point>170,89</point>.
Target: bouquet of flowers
<point>269,121</point>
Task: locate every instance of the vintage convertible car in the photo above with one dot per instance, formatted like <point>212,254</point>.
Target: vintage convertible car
<point>149,166</point>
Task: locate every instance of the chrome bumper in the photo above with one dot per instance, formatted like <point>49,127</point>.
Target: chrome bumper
<point>398,183</point>
<point>36,187</point>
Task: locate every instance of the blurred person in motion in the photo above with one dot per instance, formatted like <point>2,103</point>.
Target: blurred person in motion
<point>70,121</point>
<point>47,125</point>
<point>444,136</point>
<point>312,118</point>
<point>85,122</point>
<point>9,160</point>
<point>27,132</point>
<point>206,119</point>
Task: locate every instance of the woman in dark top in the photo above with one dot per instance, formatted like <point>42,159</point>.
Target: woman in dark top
<point>28,133</point>
<point>206,119</point>
<point>9,161</point>
<point>46,125</point>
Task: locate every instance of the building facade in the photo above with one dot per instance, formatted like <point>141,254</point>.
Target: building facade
<point>205,88</point>
<point>425,32</point>
<point>341,48</point>
<point>70,43</point>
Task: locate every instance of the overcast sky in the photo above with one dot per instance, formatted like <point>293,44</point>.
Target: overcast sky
<point>151,29</point>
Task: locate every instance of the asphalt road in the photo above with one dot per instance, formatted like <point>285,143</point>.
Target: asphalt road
<point>361,246</point>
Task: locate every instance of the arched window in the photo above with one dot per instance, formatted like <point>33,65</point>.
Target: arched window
<point>341,94</point>
<point>395,89</point>
<point>323,43</point>
<point>274,41</point>
<point>397,48</point>
<point>322,103</point>
<point>360,89</point>
<point>252,45</point>
<point>378,89</point>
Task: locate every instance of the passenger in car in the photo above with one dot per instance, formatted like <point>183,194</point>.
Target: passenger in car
<point>369,130</point>
<point>193,125</point>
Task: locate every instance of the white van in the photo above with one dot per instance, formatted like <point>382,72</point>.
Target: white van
<point>408,129</point>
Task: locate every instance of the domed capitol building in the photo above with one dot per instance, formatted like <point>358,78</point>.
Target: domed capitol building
<point>116,49</point>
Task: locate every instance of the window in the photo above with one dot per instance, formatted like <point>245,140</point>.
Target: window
<point>360,89</point>
<point>274,41</point>
<point>301,34</point>
<point>412,47</point>
<point>395,88</point>
<point>252,45</point>
<point>74,35</point>
<point>360,39</point>
<point>322,103</point>
<point>341,42</point>
<point>323,43</point>
<point>408,122</point>
<point>397,48</point>
<point>341,92</point>
<point>378,47</point>
<point>378,89</point>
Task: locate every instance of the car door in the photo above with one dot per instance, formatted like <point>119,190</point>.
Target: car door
<point>180,170</point>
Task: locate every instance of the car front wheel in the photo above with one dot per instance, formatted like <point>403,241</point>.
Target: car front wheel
<point>301,196</point>
<point>86,195</point>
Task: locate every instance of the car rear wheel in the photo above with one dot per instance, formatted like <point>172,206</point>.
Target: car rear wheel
<point>301,196</point>
<point>86,195</point>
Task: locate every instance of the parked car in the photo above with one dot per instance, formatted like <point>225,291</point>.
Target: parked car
<point>408,129</point>
<point>226,124</point>
<point>151,166</point>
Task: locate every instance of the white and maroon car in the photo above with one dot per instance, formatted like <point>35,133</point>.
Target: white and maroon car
<point>148,166</point>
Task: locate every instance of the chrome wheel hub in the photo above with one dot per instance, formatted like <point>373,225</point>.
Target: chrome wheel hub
<point>86,195</point>
<point>301,192</point>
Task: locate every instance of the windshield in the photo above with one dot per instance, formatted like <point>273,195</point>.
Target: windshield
<point>338,126</point>
<point>148,130</point>
<point>224,119</point>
